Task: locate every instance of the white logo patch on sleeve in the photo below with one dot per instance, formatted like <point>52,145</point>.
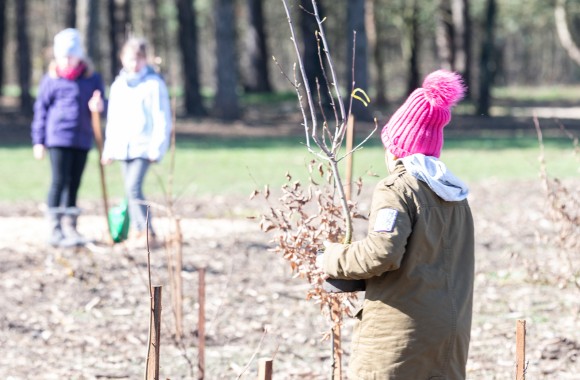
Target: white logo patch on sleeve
<point>386,219</point>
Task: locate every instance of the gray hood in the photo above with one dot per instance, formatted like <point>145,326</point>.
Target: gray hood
<point>435,174</point>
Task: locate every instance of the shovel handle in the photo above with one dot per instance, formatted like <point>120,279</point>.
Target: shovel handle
<point>96,122</point>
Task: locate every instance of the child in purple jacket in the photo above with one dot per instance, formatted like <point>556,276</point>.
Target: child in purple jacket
<point>62,127</point>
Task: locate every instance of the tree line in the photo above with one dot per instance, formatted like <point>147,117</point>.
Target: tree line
<point>214,51</point>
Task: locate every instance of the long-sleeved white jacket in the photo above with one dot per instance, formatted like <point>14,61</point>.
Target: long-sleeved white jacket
<point>138,117</point>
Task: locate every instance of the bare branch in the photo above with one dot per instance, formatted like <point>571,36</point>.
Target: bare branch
<point>564,32</point>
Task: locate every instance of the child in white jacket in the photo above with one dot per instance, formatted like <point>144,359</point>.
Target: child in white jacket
<point>138,130</point>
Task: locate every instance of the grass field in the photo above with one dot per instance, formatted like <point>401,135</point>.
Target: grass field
<point>238,166</point>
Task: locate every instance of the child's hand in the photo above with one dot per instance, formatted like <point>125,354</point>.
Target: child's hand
<point>106,161</point>
<point>38,151</point>
<point>96,103</point>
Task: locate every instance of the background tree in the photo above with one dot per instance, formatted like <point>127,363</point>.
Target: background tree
<point>188,43</point>
<point>23,55</point>
<point>356,23</point>
<point>462,41</point>
<point>119,22</point>
<point>412,44</point>
<point>158,33</point>
<point>312,67</point>
<point>522,55</point>
<point>444,35</point>
<point>226,99</point>
<point>564,34</point>
<point>374,31</point>
<point>92,33</point>
<point>453,36</point>
<point>487,63</point>
<point>256,76</point>
<point>71,14</point>
<point>2,41</point>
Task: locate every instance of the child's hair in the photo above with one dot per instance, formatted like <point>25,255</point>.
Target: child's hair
<point>137,46</point>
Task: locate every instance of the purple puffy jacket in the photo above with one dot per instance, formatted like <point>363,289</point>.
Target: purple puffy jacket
<point>61,113</point>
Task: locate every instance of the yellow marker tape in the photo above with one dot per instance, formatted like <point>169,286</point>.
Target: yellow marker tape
<point>355,95</point>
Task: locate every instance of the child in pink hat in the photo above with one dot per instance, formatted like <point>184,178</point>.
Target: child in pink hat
<point>418,256</point>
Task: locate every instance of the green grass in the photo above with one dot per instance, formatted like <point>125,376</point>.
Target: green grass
<point>238,166</point>
<point>566,93</point>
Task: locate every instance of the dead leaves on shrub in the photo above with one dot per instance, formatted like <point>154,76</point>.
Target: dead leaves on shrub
<point>305,216</point>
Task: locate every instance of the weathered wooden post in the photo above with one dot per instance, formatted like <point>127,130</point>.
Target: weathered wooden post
<point>521,349</point>
<point>265,369</point>
<point>152,372</point>
<point>201,326</point>
<point>349,158</point>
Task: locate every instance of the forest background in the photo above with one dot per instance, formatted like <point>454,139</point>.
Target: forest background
<point>212,53</point>
<point>238,127</point>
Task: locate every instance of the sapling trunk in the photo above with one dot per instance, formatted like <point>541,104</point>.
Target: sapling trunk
<point>343,201</point>
<point>327,152</point>
<point>312,130</point>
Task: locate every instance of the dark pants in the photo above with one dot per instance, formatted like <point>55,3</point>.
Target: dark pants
<point>67,165</point>
<point>134,172</point>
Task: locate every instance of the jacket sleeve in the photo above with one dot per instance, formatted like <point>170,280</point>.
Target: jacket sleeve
<point>161,118</point>
<point>41,105</point>
<point>101,88</point>
<point>384,246</point>
<point>111,131</point>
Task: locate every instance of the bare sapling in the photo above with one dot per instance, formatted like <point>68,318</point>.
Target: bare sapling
<point>324,141</point>
<point>564,210</point>
<point>174,239</point>
<point>154,339</point>
<point>320,211</point>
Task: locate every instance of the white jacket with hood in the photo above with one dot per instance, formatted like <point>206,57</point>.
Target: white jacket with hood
<point>138,117</point>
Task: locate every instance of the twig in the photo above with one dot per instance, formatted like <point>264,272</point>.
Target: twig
<point>253,355</point>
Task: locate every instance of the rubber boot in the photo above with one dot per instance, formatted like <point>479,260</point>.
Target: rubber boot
<point>72,238</point>
<point>54,216</point>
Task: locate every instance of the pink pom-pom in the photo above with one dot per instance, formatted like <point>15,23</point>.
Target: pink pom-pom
<point>443,88</point>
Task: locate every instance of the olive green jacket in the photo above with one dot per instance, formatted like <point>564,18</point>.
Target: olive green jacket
<point>418,263</point>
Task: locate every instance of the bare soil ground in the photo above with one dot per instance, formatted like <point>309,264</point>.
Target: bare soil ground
<point>78,314</point>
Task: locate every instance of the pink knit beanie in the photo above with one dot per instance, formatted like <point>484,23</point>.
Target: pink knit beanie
<point>417,126</point>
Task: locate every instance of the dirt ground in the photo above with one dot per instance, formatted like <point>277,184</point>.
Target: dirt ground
<point>85,314</point>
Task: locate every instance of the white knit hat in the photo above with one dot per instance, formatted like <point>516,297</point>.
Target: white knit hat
<point>68,43</point>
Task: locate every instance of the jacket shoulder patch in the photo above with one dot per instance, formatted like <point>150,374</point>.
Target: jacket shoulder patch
<point>386,219</point>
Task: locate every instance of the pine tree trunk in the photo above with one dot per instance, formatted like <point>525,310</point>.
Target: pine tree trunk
<point>158,35</point>
<point>71,14</point>
<point>189,46</point>
<point>257,78</point>
<point>226,100</point>
<point>23,55</point>
<point>486,69</point>
<point>374,33</point>
<point>444,35</point>
<point>92,35</point>
<point>358,73</point>
<point>2,40</point>
<point>462,38</point>
<point>312,68</point>
<point>412,24</point>
<point>119,21</point>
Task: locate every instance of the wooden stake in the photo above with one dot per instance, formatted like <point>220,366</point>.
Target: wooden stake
<point>152,372</point>
<point>349,158</point>
<point>96,123</point>
<point>201,326</point>
<point>265,369</point>
<point>521,349</point>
